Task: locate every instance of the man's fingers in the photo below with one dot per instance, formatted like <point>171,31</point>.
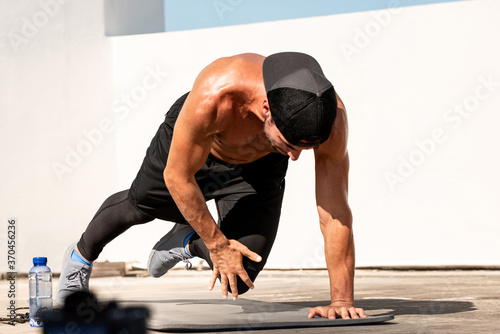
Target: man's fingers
<point>361,312</point>
<point>316,311</point>
<point>228,267</point>
<point>213,278</point>
<point>353,313</point>
<point>344,313</point>
<point>246,279</point>
<point>336,312</point>
<point>224,285</point>
<point>248,253</point>
<point>332,313</point>
<point>234,287</point>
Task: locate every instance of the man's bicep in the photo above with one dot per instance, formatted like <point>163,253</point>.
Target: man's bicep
<point>332,176</point>
<point>191,141</point>
<point>332,167</point>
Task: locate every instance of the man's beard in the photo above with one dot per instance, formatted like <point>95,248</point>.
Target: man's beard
<point>269,139</point>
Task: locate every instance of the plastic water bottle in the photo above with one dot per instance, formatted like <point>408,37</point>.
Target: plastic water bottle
<point>40,286</point>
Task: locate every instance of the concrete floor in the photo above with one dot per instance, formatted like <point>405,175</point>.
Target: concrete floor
<point>422,301</point>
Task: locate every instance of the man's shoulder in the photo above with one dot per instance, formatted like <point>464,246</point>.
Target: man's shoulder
<point>335,147</point>
<point>241,63</point>
<point>227,74</point>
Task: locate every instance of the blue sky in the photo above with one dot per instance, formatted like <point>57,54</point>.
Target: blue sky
<point>198,14</point>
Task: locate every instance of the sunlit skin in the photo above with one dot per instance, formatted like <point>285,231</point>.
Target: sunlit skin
<point>227,115</point>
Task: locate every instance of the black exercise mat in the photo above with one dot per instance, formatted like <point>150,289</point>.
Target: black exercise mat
<point>191,315</point>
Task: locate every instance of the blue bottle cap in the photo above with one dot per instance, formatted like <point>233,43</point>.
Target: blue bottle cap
<point>40,260</point>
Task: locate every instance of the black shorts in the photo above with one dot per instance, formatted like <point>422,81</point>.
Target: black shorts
<point>244,193</point>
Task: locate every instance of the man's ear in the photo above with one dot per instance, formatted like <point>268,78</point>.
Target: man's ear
<point>266,111</point>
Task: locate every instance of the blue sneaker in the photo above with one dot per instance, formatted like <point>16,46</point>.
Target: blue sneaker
<point>170,250</point>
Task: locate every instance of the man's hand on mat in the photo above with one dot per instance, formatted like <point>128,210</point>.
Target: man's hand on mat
<point>227,261</point>
<point>337,310</point>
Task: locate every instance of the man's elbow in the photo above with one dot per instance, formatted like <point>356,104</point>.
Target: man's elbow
<point>343,219</point>
<point>169,178</point>
<point>174,180</point>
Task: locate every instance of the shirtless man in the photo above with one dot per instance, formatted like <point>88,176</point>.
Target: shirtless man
<point>230,139</point>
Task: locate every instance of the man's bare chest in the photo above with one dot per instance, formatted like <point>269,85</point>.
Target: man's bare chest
<point>242,143</point>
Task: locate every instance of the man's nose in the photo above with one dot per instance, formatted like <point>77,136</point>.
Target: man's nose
<point>294,154</point>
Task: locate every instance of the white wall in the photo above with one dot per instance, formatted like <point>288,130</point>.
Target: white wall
<point>400,73</point>
<point>398,83</point>
<point>55,84</point>
<point>431,61</point>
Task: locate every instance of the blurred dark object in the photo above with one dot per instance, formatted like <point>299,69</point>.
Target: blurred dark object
<point>83,314</point>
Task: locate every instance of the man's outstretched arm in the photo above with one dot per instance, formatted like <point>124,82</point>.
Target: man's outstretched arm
<point>332,169</point>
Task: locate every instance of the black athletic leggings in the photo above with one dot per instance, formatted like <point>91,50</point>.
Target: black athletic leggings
<point>243,215</point>
<point>248,198</point>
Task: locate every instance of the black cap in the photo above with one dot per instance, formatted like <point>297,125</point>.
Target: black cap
<point>302,101</point>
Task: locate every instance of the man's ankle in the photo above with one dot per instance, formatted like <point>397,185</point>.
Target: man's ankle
<point>187,247</point>
<point>81,257</point>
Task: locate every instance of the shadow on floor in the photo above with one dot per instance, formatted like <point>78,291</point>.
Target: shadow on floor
<point>405,306</point>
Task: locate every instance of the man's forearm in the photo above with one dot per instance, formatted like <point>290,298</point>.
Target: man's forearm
<point>191,203</point>
<point>340,259</point>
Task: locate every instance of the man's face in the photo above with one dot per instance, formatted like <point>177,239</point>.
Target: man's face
<point>279,143</point>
